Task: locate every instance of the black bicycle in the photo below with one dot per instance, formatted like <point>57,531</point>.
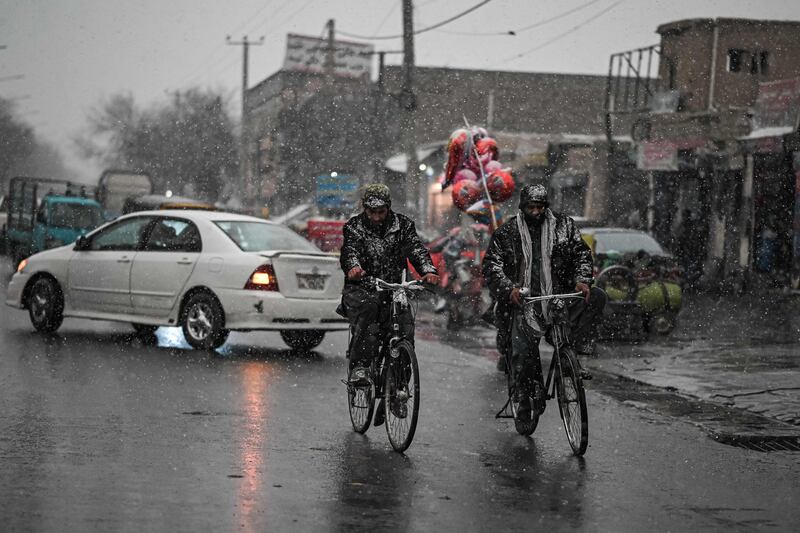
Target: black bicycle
<point>393,375</point>
<point>563,380</point>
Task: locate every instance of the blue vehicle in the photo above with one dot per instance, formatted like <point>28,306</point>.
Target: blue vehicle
<point>47,213</point>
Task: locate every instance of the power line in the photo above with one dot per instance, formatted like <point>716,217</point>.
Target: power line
<point>525,28</point>
<point>423,30</point>
<point>563,34</point>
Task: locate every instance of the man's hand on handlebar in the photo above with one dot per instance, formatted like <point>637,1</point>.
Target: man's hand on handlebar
<point>515,296</point>
<point>356,273</point>
<point>431,279</point>
<point>583,288</point>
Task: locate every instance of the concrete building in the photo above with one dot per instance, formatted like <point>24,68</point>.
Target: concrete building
<point>713,110</point>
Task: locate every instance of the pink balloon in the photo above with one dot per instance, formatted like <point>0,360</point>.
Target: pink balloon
<point>465,174</point>
<point>492,166</point>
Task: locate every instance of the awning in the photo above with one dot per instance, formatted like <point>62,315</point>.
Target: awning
<point>399,162</point>
<point>761,133</point>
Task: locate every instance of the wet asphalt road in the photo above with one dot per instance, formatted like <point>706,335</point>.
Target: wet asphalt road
<point>102,432</point>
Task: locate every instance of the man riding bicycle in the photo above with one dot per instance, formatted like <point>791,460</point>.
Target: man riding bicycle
<point>377,243</point>
<point>539,252</point>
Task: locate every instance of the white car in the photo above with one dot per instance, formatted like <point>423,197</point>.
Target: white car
<point>207,272</point>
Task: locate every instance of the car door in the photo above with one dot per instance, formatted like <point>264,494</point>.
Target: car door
<point>100,271</point>
<point>163,266</point>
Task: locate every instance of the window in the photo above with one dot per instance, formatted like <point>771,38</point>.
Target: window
<point>260,236</point>
<point>80,216</point>
<point>123,236</point>
<point>739,59</point>
<point>735,59</point>
<point>173,235</point>
<point>759,63</point>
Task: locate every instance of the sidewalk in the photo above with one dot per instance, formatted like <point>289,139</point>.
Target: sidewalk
<point>740,352</point>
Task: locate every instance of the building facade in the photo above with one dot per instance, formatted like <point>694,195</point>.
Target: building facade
<point>713,112</point>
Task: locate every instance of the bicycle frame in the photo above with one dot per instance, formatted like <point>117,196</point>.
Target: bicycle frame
<point>559,337</point>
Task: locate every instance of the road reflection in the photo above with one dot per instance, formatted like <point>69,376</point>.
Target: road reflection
<point>256,379</point>
<point>374,486</point>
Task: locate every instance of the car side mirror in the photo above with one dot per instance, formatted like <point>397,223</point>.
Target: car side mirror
<point>82,243</point>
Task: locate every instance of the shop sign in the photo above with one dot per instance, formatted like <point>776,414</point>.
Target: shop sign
<point>310,54</point>
<point>663,155</point>
<point>336,192</point>
<point>777,105</point>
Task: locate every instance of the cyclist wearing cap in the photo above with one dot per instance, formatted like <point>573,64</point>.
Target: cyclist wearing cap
<point>377,243</point>
<point>542,252</point>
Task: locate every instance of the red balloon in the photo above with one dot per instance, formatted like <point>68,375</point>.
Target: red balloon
<point>488,146</point>
<point>466,192</point>
<point>501,185</point>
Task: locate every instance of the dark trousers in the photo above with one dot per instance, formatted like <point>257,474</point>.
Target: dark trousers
<point>368,312</point>
<point>526,363</point>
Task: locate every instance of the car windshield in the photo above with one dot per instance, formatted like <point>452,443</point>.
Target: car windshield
<point>624,242</point>
<point>260,236</point>
<point>76,216</point>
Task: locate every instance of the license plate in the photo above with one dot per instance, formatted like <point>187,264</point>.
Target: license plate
<point>312,283</point>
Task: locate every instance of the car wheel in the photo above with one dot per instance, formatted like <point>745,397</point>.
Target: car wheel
<point>203,322</point>
<point>661,323</point>
<point>298,339</point>
<point>46,305</point>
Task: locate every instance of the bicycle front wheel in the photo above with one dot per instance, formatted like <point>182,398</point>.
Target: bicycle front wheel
<point>402,396</point>
<point>572,403</point>
<point>361,403</point>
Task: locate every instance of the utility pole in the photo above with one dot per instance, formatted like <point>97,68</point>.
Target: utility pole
<point>408,104</point>
<point>245,44</point>
<point>330,52</point>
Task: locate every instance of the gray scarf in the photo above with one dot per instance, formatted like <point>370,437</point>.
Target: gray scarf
<point>548,236</point>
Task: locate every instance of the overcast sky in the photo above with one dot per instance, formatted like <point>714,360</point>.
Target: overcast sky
<point>74,53</point>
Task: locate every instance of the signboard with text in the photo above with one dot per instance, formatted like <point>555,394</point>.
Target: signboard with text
<point>777,105</point>
<point>663,155</point>
<point>310,54</point>
<point>336,192</point>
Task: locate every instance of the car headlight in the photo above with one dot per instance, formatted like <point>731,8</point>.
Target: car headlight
<point>22,265</point>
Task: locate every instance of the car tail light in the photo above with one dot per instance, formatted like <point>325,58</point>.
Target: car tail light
<point>262,279</point>
<point>22,265</point>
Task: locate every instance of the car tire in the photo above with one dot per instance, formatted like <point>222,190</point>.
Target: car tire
<point>203,322</point>
<point>302,339</point>
<point>45,303</point>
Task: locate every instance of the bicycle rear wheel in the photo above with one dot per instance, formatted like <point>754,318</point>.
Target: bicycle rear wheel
<point>572,402</point>
<point>402,396</point>
<point>361,403</point>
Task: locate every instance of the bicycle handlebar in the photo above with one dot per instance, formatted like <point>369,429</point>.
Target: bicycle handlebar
<point>552,297</point>
<point>413,285</point>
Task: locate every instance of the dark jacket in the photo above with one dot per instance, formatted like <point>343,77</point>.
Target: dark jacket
<point>384,256</point>
<point>571,262</point>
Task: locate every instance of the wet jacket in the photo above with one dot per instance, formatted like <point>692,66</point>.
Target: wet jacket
<point>384,256</point>
<point>571,262</point>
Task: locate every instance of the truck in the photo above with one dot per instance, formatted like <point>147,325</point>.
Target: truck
<point>45,213</point>
<point>116,186</point>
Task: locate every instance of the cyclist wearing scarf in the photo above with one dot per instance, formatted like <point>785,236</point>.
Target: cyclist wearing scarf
<point>541,251</point>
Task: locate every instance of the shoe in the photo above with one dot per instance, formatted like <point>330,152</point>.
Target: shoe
<point>380,415</point>
<point>359,375</point>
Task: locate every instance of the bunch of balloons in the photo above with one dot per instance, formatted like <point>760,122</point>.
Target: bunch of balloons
<point>472,154</point>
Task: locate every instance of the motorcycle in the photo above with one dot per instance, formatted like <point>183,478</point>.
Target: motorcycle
<point>461,282</point>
